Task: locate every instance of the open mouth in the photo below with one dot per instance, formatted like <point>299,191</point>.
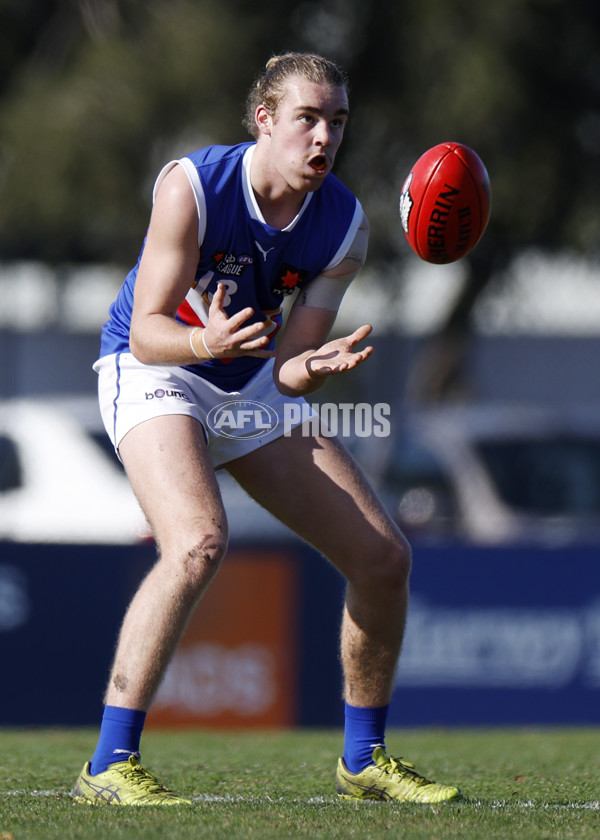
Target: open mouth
<point>318,163</point>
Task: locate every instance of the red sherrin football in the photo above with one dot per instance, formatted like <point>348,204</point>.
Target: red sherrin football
<point>445,203</point>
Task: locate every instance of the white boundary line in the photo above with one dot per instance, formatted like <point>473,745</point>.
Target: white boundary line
<point>477,804</point>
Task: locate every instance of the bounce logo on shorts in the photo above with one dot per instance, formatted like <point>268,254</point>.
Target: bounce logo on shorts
<point>242,419</point>
<point>161,393</point>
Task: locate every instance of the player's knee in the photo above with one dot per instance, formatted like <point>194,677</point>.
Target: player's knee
<point>389,569</point>
<point>398,562</point>
<point>196,560</point>
<point>203,558</point>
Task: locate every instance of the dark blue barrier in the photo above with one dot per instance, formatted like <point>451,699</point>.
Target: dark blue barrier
<point>60,610</point>
<point>495,636</point>
<point>501,636</point>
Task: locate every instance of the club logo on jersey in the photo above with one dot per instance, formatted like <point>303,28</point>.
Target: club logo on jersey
<point>230,264</point>
<point>288,279</point>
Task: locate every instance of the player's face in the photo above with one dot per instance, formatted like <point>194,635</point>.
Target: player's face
<point>306,131</point>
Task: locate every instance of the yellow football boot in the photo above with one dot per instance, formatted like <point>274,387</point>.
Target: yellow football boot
<point>392,779</point>
<point>124,783</point>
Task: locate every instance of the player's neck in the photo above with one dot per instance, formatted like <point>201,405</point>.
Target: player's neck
<point>279,213</point>
<point>279,203</point>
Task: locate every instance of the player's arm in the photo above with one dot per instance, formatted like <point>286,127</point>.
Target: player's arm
<point>304,356</point>
<point>166,273</point>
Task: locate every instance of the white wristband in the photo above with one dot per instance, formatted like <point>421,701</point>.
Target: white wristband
<point>206,347</point>
<point>193,349</point>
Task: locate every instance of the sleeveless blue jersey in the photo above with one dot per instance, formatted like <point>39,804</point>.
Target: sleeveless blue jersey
<point>259,264</point>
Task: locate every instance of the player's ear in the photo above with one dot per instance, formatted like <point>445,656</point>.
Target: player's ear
<point>263,120</point>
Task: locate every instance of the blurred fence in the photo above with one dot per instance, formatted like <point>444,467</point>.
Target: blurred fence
<point>535,333</point>
<point>542,369</point>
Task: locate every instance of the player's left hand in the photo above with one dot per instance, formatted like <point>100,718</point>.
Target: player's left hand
<point>339,355</point>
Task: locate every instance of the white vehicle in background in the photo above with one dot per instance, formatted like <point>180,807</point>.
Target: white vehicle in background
<point>492,474</point>
<point>488,475</point>
<point>56,483</point>
<point>60,481</point>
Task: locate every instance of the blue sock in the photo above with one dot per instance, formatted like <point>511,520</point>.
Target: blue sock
<point>120,734</point>
<point>364,730</point>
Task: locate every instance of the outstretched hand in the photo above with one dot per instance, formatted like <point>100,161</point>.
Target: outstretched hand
<point>339,355</point>
<point>228,337</point>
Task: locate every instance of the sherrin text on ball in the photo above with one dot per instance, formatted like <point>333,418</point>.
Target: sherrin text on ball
<point>445,203</point>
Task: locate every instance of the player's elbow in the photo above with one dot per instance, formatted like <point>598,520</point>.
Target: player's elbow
<point>140,348</point>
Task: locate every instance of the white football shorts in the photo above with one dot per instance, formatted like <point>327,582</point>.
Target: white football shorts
<point>235,423</point>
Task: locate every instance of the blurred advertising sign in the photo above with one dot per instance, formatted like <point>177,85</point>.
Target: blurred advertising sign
<point>507,635</point>
<point>236,663</point>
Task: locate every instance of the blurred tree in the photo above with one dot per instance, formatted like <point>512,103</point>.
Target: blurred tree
<point>519,81</point>
<point>109,92</point>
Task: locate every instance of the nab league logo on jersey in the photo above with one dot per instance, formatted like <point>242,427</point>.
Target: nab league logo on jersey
<point>231,265</point>
<point>289,278</point>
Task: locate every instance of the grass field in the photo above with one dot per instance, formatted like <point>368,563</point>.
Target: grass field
<point>517,783</point>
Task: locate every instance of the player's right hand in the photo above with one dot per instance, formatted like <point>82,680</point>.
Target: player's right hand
<point>227,337</point>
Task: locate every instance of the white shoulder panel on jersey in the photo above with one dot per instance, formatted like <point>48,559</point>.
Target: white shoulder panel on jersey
<point>349,238</point>
<point>196,185</point>
<point>327,290</point>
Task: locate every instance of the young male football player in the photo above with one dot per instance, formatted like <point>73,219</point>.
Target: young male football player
<point>232,231</point>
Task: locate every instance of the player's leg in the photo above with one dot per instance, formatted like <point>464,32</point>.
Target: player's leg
<point>314,486</point>
<point>170,472</point>
<point>171,475</point>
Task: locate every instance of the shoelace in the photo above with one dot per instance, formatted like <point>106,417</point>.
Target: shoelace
<point>136,774</point>
<point>404,769</point>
